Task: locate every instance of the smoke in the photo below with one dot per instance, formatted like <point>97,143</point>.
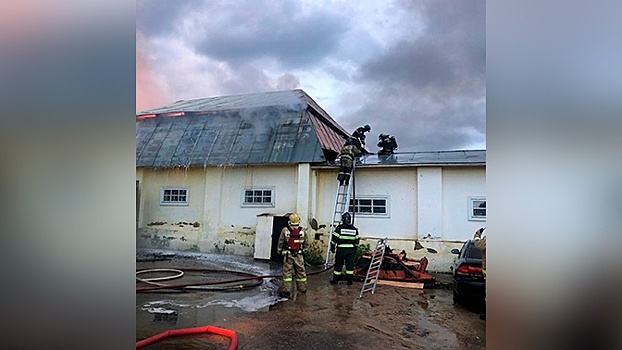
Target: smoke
<point>288,81</point>
<point>149,94</point>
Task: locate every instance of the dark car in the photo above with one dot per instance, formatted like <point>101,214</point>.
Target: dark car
<point>468,278</point>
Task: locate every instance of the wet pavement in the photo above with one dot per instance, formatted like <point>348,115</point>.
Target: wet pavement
<point>328,316</point>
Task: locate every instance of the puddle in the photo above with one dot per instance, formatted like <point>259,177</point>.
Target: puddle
<point>157,312</point>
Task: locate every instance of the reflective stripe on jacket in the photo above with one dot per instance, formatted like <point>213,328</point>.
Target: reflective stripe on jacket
<point>345,236</point>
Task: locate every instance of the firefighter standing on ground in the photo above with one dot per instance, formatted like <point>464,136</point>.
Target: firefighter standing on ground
<point>345,240</point>
<point>292,242</point>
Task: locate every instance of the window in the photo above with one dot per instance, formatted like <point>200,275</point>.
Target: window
<point>372,206</point>
<point>477,208</point>
<point>174,195</point>
<point>258,197</point>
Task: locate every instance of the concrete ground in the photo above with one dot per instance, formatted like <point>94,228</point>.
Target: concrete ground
<point>327,316</point>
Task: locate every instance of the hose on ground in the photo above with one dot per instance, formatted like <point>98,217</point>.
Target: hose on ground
<point>201,285</point>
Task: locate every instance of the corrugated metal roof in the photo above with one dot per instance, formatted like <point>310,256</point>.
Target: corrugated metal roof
<point>271,127</point>
<point>430,158</point>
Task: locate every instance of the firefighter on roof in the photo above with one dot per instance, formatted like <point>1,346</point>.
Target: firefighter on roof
<point>345,240</point>
<point>358,138</point>
<point>387,143</point>
<point>292,242</point>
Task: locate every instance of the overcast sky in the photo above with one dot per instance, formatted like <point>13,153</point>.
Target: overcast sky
<point>413,69</point>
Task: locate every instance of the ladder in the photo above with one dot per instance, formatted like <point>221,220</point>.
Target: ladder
<point>342,201</point>
<point>371,279</point>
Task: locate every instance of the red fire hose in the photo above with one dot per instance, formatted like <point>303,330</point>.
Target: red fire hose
<point>233,336</point>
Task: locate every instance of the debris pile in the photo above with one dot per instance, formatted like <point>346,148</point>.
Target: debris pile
<point>396,267</point>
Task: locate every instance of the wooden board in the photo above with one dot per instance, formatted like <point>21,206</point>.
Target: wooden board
<point>401,284</point>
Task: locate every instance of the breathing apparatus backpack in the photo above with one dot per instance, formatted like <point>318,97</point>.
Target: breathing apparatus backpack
<point>294,240</point>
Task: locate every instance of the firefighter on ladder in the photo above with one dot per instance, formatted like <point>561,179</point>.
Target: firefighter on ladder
<point>292,242</point>
<point>345,240</point>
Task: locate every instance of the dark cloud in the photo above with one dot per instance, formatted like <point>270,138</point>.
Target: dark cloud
<point>429,90</point>
<point>278,30</point>
<point>412,69</point>
<point>453,47</point>
<point>419,122</point>
<point>159,17</point>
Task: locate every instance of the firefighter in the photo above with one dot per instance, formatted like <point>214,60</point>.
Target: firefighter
<point>358,138</point>
<point>347,155</point>
<point>345,240</point>
<point>387,143</point>
<point>359,133</point>
<point>292,242</point>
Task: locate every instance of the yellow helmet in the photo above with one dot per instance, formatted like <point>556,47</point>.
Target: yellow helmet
<point>294,219</point>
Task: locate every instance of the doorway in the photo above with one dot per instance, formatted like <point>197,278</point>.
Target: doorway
<point>278,223</point>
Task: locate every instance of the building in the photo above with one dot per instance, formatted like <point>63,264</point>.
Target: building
<point>219,174</point>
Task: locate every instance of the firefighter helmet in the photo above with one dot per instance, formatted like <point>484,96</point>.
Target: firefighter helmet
<point>294,219</point>
<point>346,218</point>
<point>367,127</point>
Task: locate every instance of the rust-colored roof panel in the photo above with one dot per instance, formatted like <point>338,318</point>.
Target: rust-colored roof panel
<point>329,138</point>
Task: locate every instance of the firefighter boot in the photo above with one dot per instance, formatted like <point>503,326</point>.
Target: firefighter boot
<point>349,279</point>
<point>335,279</point>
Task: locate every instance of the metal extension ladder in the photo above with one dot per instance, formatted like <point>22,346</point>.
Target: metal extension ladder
<point>342,201</point>
<point>371,279</point>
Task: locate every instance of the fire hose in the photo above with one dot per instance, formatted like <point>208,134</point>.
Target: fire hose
<point>201,285</point>
<point>233,344</point>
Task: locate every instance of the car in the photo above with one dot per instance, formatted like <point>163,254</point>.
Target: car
<point>468,278</point>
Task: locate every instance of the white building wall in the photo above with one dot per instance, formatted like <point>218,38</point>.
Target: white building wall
<point>224,188</point>
<point>153,180</point>
<point>424,200</point>
<point>430,201</point>
<point>303,191</point>
<point>397,183</point>
<point>458,185</point>
<point>421,200</point>
<point>214,220</point>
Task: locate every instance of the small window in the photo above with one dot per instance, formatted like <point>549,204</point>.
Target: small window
<point>174,195</point>
<point>372,206</point>
<point>258,197</point>
<point>477,208</point>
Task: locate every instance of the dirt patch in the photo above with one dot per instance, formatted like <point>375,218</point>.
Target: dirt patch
<point>327,316</point>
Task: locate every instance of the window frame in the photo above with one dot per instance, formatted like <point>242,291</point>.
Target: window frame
<point>262,204</point>
<point>471,208</point>
<point>176,203</point>
<point>387,201</point>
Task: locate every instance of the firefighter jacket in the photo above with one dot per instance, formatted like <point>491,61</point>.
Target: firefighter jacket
<point>347,155</point>
<point>388,144</point>
<point>293,240</point>
<point>345,236</point>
